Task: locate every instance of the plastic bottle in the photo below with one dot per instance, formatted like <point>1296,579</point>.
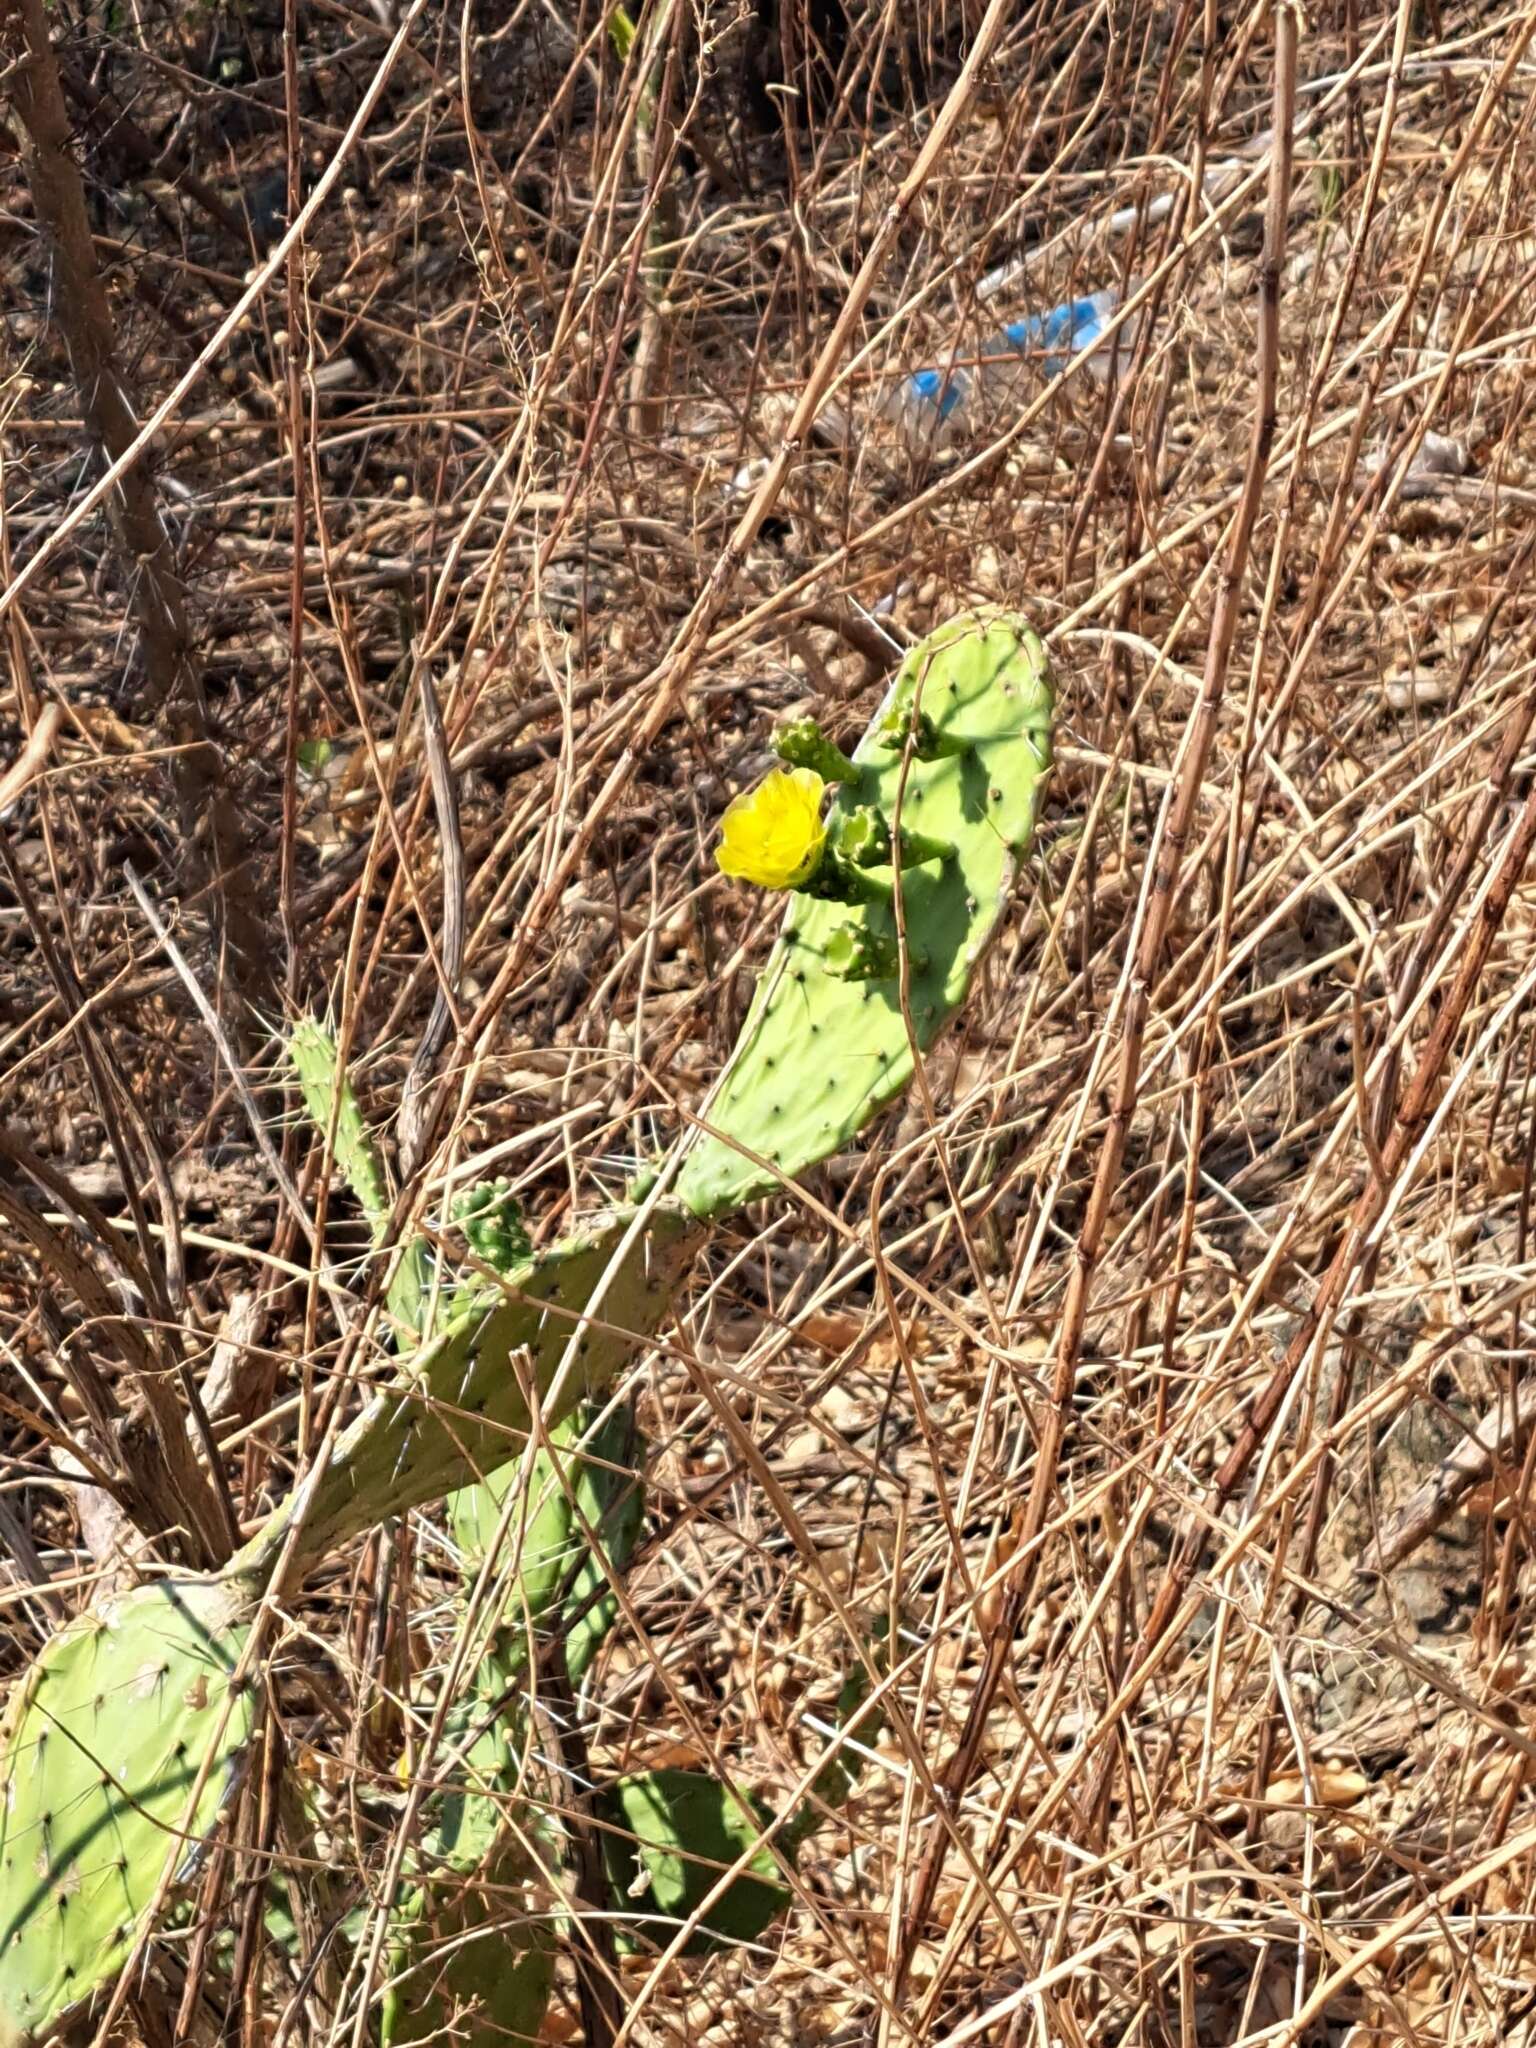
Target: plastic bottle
<point>935,407</point>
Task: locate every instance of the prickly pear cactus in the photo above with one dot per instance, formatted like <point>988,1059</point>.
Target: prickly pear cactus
<point>101,1747</point>
<point>325,1085</point>
<point>826,1042</point>
<point>482,1989</point>
<point>105,1739</point>
<point>463,1957</point>
<point>492,1222</point>
<point>462,1409</point>
<point>560,1578</point>
<point>470,1957</point>
<point>670,1837</point>
<point>316,1064</point>
<point>466,1955</point>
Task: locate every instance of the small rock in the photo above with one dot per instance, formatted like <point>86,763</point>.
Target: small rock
<point>1436,458</point>
<point>1416,690</point>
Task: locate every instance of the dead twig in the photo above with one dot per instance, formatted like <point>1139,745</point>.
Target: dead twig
<point>1170,846</point>
<point>213,841</point>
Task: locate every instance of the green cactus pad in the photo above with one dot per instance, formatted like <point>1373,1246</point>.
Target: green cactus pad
<point>820,1052</point>
<point>483,1991</point>
<point>554,1557</point>
<point>101,1746</point>
<point>682,1831</point>
<point>313,1052</point>
<point>672,1835</point>
<point>315,1063</point>
<point>461,1409</point>
<point>468,1960</point>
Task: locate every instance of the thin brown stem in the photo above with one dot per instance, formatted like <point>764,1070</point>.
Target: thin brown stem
<point>1052,1423</point>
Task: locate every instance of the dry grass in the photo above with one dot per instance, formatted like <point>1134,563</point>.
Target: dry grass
<point>427,461</point>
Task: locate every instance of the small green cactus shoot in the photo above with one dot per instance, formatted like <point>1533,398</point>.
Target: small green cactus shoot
<point>492,1223</point>
<point>855,953</point>
<point>332,1104</point>
<point>801,743</point>
<point>864,837</point>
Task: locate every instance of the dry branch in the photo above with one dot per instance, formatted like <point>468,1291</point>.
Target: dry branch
<point>217,859</point>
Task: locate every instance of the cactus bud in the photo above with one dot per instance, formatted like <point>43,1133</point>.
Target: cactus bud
<point>492,1223</point>
<point>864,838</point>
<point>918,847</point>
<point>801,743</point>
<point>901,721</point>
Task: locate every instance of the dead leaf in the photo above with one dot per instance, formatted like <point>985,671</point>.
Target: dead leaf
<point>1332,1785</point>
<point>104,726</point>
<point>834,1334</point>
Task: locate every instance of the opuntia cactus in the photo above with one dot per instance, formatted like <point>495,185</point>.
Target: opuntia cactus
<point>469,1953</point>
<point>827,1040</point>
<point>581,1483</point>
<point>109,1728</point>
<point>681,1831</point>
<point>673,1835</point>
<point>106,1737</point>
<point>333,1106</point>
<point>492,1222</point>
<point>472,1866</point>
<point>461,1409</point>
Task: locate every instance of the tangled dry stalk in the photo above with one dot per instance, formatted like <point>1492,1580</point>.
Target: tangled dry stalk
<point>514,424</point>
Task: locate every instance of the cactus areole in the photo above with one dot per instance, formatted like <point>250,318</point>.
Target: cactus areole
<point>958,753</point>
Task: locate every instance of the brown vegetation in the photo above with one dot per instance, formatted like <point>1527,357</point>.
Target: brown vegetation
<point>434,454</point>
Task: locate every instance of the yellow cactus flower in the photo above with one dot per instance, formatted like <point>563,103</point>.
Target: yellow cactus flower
<point>774,835</point>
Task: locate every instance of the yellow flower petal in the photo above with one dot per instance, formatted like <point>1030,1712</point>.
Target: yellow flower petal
<point>773,835</point>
